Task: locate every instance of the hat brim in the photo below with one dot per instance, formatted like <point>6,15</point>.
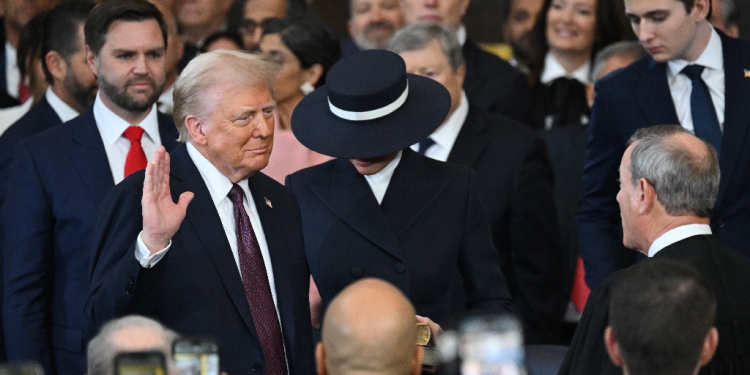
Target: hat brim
<point>318,129</point>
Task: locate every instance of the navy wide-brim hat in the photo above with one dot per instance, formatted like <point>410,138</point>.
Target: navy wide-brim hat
<point>369,107</point>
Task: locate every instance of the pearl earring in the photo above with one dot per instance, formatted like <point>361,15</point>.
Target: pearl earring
<point>307,88</point>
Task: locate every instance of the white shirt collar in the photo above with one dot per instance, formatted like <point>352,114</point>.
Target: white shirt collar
<point>379,181</point>
<point>712,57</point>
<point>553,70</point>
<point>445,135</point>
<point>461,35</point>
<point>63,110</point>
<point>677,234</point>
<point>217,183</point>
<point>111,126</point>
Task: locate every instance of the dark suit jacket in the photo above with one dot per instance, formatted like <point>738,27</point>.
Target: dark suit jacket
<point>196,288</point>
<point>515,183</point>
<point>38,119</point>
<point>722,267</point>
<point>57,182</point>
<point>429,229</point>
<point>639,96</point>
<point>494,85</point>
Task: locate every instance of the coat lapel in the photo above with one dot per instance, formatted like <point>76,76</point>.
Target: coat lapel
<point>409,192</point>
<point>655,97</point>
<point>736,110</point>
<point>469,144</point>
<point>350,198</point>
<point>204,219</point>
<point>167,131</point>
<point>90,158</point>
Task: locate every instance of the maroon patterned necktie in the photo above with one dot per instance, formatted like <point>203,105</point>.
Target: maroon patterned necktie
<point>257,289</point>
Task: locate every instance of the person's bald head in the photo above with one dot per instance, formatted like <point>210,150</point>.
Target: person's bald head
<point>370,327</point>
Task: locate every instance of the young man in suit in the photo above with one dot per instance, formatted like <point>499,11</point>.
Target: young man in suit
<point>231,264</point>
<point>491,83</point>
<point>694,76</point>
<point>669,180</point>
<point>58,179</point>
<point>514,179</point>
<point>382,210</point>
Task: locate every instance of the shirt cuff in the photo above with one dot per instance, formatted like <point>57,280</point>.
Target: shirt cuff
<point>142,253</point>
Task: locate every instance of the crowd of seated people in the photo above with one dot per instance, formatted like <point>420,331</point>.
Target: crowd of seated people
<point>233,169</point>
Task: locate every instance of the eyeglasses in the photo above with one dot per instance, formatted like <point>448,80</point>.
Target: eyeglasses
<point>248,26</point>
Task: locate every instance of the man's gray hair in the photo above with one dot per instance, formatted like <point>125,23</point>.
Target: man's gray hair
<point>214,68</point>
<point>417,36</point>
<point>102,351</point>
<point>686,181</point>
<point>619,49</point>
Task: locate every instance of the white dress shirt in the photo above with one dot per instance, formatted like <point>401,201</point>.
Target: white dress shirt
<point>165,103</point>
<point>677,234</point>
<point>12,73</point>
<point>63,110</point>
<point>445,135</point>
<point>379,181</point>
<point>554,70</point>
<point>111,127</point>
<point>713,75</point>
<point>8,116</point>
<point>219,186</point>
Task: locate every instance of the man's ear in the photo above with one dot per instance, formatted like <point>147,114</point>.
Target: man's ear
<point>709,346</point>
<point>320,359</point>
<point>56,65</point>
<point>196,129</point>
<point>91,61</point>
<point>646,196</point>
<point>613,348</point>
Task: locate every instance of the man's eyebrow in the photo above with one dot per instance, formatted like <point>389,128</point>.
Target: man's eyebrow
<point>650,14</point>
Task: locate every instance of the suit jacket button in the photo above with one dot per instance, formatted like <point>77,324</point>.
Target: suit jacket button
<point>131,284</point>
<point>400,267</point>
<point>356,271</point>
<point>257,367</point>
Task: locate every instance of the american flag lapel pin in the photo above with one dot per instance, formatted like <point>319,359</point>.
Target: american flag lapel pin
<point>268,202</point>
<point>747,73</point>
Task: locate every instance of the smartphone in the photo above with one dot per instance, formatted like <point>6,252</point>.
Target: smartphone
<point>140,363</point>
<point>21,369</point>
<point>197,356</point>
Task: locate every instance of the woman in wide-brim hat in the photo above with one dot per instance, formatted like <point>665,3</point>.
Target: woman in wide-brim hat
<point>380,209</point>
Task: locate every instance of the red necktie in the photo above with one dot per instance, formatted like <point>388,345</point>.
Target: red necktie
<point>257,289</point>
<point>24,93</point>
<point>581,291</point>
<point>136,159</point>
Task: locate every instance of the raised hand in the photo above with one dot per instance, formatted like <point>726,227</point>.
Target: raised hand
<point>161,216</point>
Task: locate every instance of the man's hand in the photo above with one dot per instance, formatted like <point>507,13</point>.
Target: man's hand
<point>161,216</point>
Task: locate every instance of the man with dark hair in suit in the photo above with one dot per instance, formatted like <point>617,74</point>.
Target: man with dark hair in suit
<point>694,76</point>
<point>58,179</point>
<point>250,17</point>
<point>228,259</point>
<point>661,319</point>
<point>72,85</point>
<point>16,14</point>
<point>491,83</point>
<point>514,181</point>
<point>669,181</point>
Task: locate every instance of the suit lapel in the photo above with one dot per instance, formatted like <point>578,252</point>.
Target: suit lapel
<point>655,97</point>
<point>167,131</point>
<point>90,158</point>
<point>204,219</point>
<point>48,115</point>
<point>409,192</point>
<point>273,221</point>
<point>350,198</point>
<point>736,110</point>
<point>469,144</point>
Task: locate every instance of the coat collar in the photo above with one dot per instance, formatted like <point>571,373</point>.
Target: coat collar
<point>470,143</point>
